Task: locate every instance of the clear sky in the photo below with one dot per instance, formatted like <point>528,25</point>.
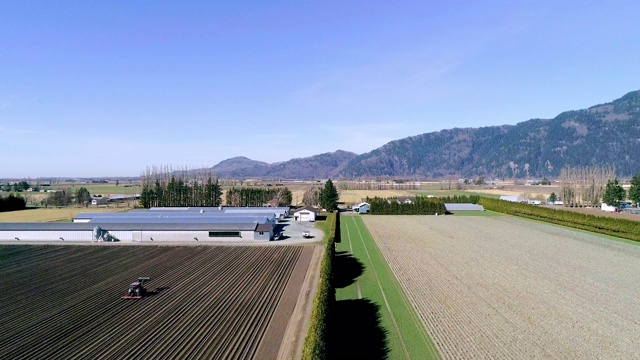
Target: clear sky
<point>107,88</point>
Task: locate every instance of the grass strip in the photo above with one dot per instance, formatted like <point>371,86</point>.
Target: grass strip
<point>406,335</point>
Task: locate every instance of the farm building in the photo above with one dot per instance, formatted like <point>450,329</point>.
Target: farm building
<point>189,224</point>
<point>406,199</point>
<point>362,208</point>
<point>514,198</point>
<point>99,201</point>
<point>463,207</point>
<point>281,212</point>
<point>137,232</point>
<point>307,213</point>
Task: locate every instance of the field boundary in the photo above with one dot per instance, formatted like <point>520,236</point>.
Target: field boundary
<point>412,340</point>
<point>293,339</point>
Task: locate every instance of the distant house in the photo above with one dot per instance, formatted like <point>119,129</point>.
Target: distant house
<point>307,213</point>
<point>362,208</point>
<point>514,198</point>
<point>99,201</point>
<point>406,199</point>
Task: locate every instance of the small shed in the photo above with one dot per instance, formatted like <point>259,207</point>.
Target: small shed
<point>362,208</point>
<point>307,213</point>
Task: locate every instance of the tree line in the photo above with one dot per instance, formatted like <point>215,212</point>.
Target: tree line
<point>380,185</point>
<point>12,203</point>
<point>461,199</point>
<point>591,185</point>
<point>421,206</point>
<point>604,225</point>
<point>258,196</point>
<point>164,187</point>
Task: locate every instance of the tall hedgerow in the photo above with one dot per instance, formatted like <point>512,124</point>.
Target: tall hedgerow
<point>626,229</point>
<point>315,346</point>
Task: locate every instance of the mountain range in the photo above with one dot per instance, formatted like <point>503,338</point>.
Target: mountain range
<point>601,135</point>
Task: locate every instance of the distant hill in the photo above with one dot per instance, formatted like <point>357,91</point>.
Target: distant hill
<point>315,167</point>
<point>606,134</point>
<point>236,164</point>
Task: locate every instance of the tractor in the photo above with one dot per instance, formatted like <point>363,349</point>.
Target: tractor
<point>136,289</point>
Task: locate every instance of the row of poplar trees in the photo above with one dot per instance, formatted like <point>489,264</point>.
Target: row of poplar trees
<point>245,196</point>
<point>179,188</point>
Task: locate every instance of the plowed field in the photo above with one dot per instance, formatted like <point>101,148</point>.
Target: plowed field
<point>63,302</point>
<point>505,288</point>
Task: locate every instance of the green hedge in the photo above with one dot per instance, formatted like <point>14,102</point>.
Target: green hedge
<point>422,206</point>
<point>315,341</point>
<point>622,228</point>
<point>460,199</point>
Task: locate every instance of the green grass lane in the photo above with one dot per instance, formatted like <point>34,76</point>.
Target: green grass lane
<point>478,213</point>
<point>407,338</point>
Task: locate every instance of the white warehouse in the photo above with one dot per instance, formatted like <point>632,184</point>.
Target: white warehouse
<point>158,225</point>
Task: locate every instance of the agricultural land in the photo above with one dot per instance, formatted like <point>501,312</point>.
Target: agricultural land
<point>63,302</point>
<point>502,287</point>
<point>371,303</point>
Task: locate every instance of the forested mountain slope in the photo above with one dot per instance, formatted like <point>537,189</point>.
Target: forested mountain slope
<point>607,134</point>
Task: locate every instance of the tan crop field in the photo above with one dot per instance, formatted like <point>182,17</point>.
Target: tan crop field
<point>353,197</point>
<point>503,288</point>
<point>55,214</point>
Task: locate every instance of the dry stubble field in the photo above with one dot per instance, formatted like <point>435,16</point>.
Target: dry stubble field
<point>504,288</point>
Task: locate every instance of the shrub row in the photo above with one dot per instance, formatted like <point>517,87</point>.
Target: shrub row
<point>622,228</point>
<point>315,346</point>
<point>11,203</point>
<point>422,206</point>
<point>461,199</point>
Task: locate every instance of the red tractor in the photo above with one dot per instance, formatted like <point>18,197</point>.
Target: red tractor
<point>136,289</point>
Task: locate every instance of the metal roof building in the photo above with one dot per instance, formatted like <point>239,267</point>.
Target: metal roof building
<point>463,207</point>
<point>157,225</point>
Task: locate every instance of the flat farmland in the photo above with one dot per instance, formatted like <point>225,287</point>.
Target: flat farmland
<point>63,302</point>
<point>502,287</point>
<point>55,214</point>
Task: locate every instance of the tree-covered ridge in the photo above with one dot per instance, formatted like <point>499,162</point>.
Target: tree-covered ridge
<point>314,167</point>
<point>607,134</point>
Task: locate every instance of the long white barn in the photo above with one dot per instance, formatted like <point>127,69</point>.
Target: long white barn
<point>155,225</point>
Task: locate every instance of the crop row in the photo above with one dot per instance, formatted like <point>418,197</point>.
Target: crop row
<point>205,302</point>
<point>504,288</point>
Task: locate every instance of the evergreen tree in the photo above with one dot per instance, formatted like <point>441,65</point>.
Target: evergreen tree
<point>634,191</point>
<point>613,193</point>
<point>83,197</point>
<point>553,198</point>
<point>329,196</point>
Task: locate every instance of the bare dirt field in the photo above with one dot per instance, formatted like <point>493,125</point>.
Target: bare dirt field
<point>503,287</point>
<point>63,302</point>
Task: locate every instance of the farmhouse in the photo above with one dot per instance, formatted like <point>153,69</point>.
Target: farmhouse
<point>99,201</point>
<point>362,208</point>
<point>158,225</point>
<point>404,200</point>
<point>306,213</point>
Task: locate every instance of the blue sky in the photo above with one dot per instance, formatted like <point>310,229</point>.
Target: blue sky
<point>107,88</point>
